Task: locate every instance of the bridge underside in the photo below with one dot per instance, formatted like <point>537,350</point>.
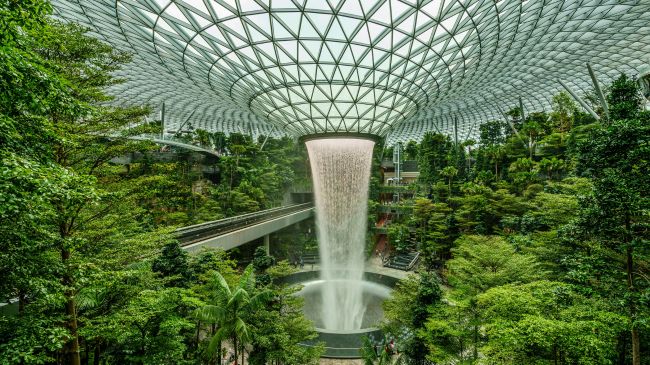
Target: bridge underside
<point>239,237</point>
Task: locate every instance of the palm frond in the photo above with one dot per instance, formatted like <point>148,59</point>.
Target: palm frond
<point>89,298</point>
<point>221,284</point>
<point>239,296</point>
<point>211,313</point>
<point>242,330</point>
<point>218,337</point>
<point>247,280</point>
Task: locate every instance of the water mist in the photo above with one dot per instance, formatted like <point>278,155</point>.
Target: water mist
<point>340,170</point>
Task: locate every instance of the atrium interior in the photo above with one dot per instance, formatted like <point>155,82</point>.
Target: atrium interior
<point>300,182</point>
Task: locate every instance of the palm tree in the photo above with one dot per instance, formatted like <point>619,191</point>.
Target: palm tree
<point>229,311</point>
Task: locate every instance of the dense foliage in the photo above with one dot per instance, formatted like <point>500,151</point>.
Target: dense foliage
<point>85,243</point>
<point>539,240</point>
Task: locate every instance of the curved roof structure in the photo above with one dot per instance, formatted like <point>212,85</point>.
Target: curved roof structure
<point>386,67</point>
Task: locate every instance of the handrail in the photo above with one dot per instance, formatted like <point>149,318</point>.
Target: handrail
<point>191,234</point>
<point>414,261</point>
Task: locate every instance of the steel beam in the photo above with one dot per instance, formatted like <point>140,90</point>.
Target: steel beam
<point>599,92</point>
<point>579,100</point>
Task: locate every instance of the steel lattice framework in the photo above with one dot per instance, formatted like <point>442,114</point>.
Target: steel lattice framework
<point>386,67</point>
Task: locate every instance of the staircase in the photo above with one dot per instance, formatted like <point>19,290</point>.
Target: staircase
<point>403,261</point>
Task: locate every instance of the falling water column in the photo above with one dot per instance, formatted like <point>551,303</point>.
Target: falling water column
<point>340,169</point>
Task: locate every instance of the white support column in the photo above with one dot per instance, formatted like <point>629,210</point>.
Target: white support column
<point>267,244</point>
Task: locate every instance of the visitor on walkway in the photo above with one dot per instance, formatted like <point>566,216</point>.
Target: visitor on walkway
<point>302,262</point>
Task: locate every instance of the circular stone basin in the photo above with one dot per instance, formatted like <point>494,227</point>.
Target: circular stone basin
<point>344,343</point>
<point>373,296</point>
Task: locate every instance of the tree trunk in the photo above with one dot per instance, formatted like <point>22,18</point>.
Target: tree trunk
<point>232,176</point>
<point>622,348</point>
<point>22,299</point>
<point>475,350</point>
<point>636,342</point>
<point>198,331</point>
<point>71,348</point>
<point>636,347</point>
<point>97,353</point>
<point>221,353</point>
<point>86,359</point>
<point>629,253</point>
<point>234,341</point>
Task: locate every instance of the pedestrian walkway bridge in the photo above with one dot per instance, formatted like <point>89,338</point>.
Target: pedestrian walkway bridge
<point>232,232</point>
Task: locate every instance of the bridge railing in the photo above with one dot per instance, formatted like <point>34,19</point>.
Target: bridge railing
<point>198,232</point>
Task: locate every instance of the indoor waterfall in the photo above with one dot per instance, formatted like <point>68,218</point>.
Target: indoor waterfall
<point>341,172</point>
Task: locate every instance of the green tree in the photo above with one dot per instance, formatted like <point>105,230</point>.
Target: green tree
<point>281,329</point>
<point>625,101</point>
<point>614,215</point>
<point>433,155</point>
<point>436,228</point>
<point>483,262</point>
<point>533,128</point>
<point>546,322</point>
<point>422,209</point>
<point>230,311</point>
<point>411,150</point>
<point>261,262</point>
<point>173,263</point>
<point>152,327</point>
<point>86,64</point>
<point>407,310</point>
<point>552,165</point>
<point>449,172</point>
<point>523,173</point>
<point>496,153</point>
<point>492,133</point>
<point>399,236</point>
<point>564,108</point>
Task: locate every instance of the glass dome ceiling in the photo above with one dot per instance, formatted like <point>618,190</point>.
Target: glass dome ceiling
<point>387,67</point>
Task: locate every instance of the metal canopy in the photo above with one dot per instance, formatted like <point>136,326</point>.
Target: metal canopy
<point>386,67</point>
